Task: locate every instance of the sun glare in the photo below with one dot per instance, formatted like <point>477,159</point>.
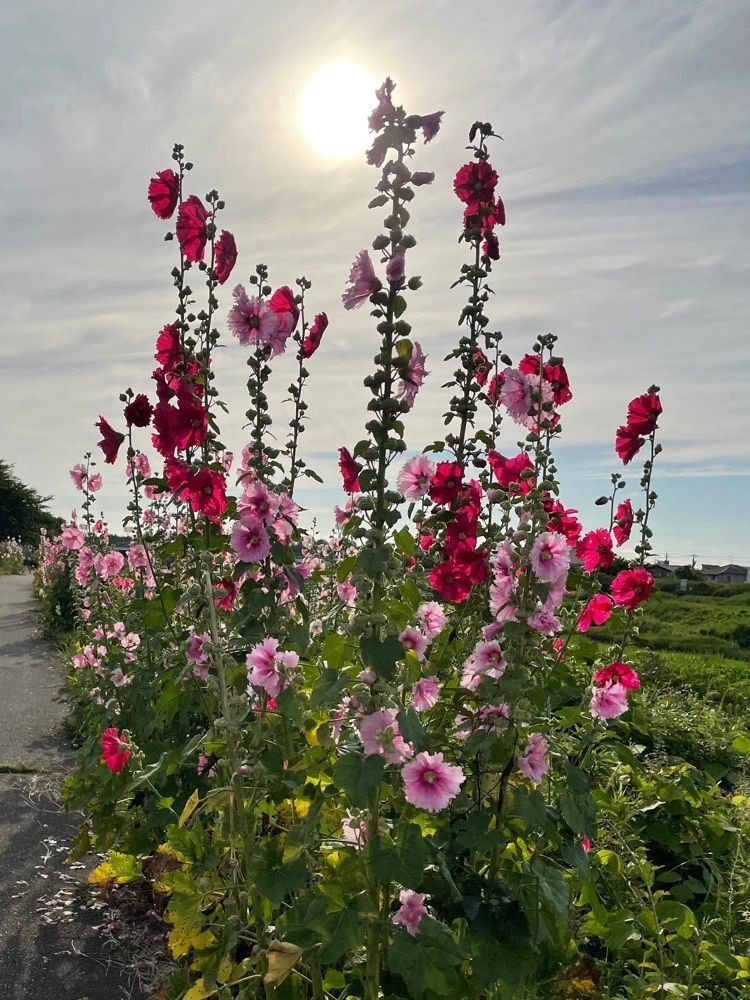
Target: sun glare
<point>334,107</point>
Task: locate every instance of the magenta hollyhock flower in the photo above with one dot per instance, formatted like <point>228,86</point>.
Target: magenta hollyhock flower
<point>609,702</point>
<point>192,228</point>
<point>362,280</point>
<point>410,384</point>
<point>311,342</point>
<point>394,269</point>
<point>381,735</point>
<point>425,693</point>
<point>225,256</point>
<point>379,116</point>
<point>430,783</point>
<point>430,125</point>
<point>550,556</point>
<point>643,413</point>
<point>533,761</point>
<point>622,673</point>
<point>415,477</point>
<point>110,442</point>
<point>195,650</point>
<point>257,503</point>
<point>544,622</point>
<point>168,351</point>
<point>95,482</point>
<point>597,612</point>
<point>250,541</point>
<point>628,443</point>
<point>595,550</point>
<point>632,587</point>
<point>432,618</point>
<point>163,192</point>
<point>447,482</point>
<point>475,182</point>
<point>347,592</point>
<point>78,475</point>
<point>349,471</point>
<point>268,666</point>
<point>115,749</point>
<point>414,640</point>
<point>251,320</point>
<point>412,909</point>
<point>623,523</point>
<point>205,490</point>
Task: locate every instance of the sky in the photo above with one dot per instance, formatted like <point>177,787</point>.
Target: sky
<point>624,168</point>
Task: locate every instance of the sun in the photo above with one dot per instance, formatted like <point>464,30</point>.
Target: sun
<point>333,109</point>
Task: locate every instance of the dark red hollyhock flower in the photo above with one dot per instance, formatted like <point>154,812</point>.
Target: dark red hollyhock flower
<point>205,490</point>
<point>623,522</point>
<point>473,562</point>
<point>627,443</point>
<point>491,247</point>
<point>643,412</point>
<point>283,304</point>
<point>115,751</point>
<point>168,350</point>
<point>314,335</point>
<point>166,384</point>
<point>379,115</point>
<point>139,411</point>
<point>426,542</point>
<point>110,442</point>
<point>632,587</point>
<point>192,228</point>
<point>529,364</point>
<point>595,550</point>
<point>229,590</point>
<point>507,472</point>
<point>447,482</point>
<point>451,582</point>
<point>618,673</point>
<point>475,182</point>
<point>176,473</point>
<point>163,192</point>
<point>469,500</point>
<point>561,520</point>
<point>556,375</point>
<point>493,389</point>
<point>349,471</point>
<point>180,427</point>
<point>482,367</point>
<point>225,256</point>
<point>597,612</point>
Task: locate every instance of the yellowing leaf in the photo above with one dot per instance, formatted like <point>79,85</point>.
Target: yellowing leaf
<point>199,991</point>
<point>189,808</point>
<point>102,874</point>
<point>282,957</point>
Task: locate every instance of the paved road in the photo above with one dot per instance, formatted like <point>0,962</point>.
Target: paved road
<point>49,947</point>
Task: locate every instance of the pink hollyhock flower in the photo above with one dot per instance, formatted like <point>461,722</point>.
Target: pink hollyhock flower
<point>257,503</point>
<point>544,622</point>
<point>168,350</point>
<point>430,783</point>
<point>362,280</point>
<point>627,443</point>
<point>622,673</point>
<point>110,442</point>
<point>251,320</point>
<point>414,640</point>
<point>381,735</point>
<point>412,909</point>
<point>109,564</point>
<point>475,183</point>
<point>347,592</point>
<point>163,192</point>
<point>425,693</point>
<point>447,482</point>
<point>394,269</point>
<point>609,702</point>
<point>286,309</point>
<point>195,650</point>
<point>550,556</point>
<point>137,557</point>
<point>115,750</point>
<point>533,761</point>
<point>72,538</point>
<point>268,666</point>
<point>597,612</point>
<point>225,595</point>
<point>488,719</point>
<point>95,482</point>
<point>595,550</point>
<point>78,475</point>
<point>225,256</point>
<point>206,492</point>
<point>507,472</point>
<point>432,619</point>
<point>561,519</point>
<point>585,844</point>
<point>119,678</point>
<point>250,541</point>
<point>632,587</point>
<point>515,394</point>
<point>415,477</point>
<point>430,125</point>
<point>139,411</point>
<point>623,524</point>
<point>192,228</point>
<point>349,471</point>
<point>354,830</point>
<point>643,413</point>
<point>413,377</point>
<point>311,342</point>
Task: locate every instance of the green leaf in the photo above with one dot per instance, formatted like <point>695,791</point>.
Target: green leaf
<point>371,562</point>
<point>382,654</point>
<point>399,306</point>
<point>741,744</point>
<point>404,862</point>
<point>276,877</point>
<point>345,567</point>
<point>429,963</point>
<point>334,651</point>
<point>328,688</point>
<point>358,776</point>
<point>405,543</point>
<point>576,804</point>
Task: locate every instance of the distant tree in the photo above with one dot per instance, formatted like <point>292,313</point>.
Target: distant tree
<point>687,573</point>
<point>23,511</point>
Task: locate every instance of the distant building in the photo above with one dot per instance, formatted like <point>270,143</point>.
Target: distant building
<point>724,574</point>
<point>661,569</point>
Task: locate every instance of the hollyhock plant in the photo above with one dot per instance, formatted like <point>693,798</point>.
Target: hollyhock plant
<point>430,783</point>
<point>168,350</point>
<point>409,915</point>
<point>432,618</point>
<point>643,413</point>
<point>79,476</point>
<point>475,183</point>
<point>550,556</point>
<point>628,443</point>
<point>163,193</point>
<point>110,442</point>
<point>425,693</point>
<point>192,228</point>
<point>415,641</point>
<point>447,482</point>
<point>413,377</point>
<point>251,320</point>
<point>116,750</point>
<point>250,541</point>
<point>268,666</point>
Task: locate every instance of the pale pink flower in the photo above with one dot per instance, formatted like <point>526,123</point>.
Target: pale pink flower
<point>250,541</point>
<point>342,514</point>
<point>432,618</point>
<point>268,666</point>
<point>425,693</point>
<point>533,761</point>
<point>118,678</point>
<point>414,640</point>
<point>71,538</point>
<point>394,269</point>
<point>515,394</point>
<point>137,557</point>
<point>555,594</point>
<point>362,280</point>
<point>430,783</point>
<point>415,477</point>
<point>367,677</point>
<point>195,651</point>
<point>142,465</point>
<point>413,377</point>
<point>227,460</point>
<point>78,475</point>
<point>95,482</point>
<point>347,592</point>
<point>491,631</point>
<point>609,702</point>
<point>411,911</point>
<point>354,830</point>
<point>488,719</point>
<point>251,320</point>
<point>381,735</point>
<point>544,622</point>
<point>550,556</point>
<point>109,564</point>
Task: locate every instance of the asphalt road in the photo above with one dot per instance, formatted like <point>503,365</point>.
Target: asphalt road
<point>50,948</point>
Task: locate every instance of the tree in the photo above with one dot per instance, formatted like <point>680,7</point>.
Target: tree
<point>23,511</point>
